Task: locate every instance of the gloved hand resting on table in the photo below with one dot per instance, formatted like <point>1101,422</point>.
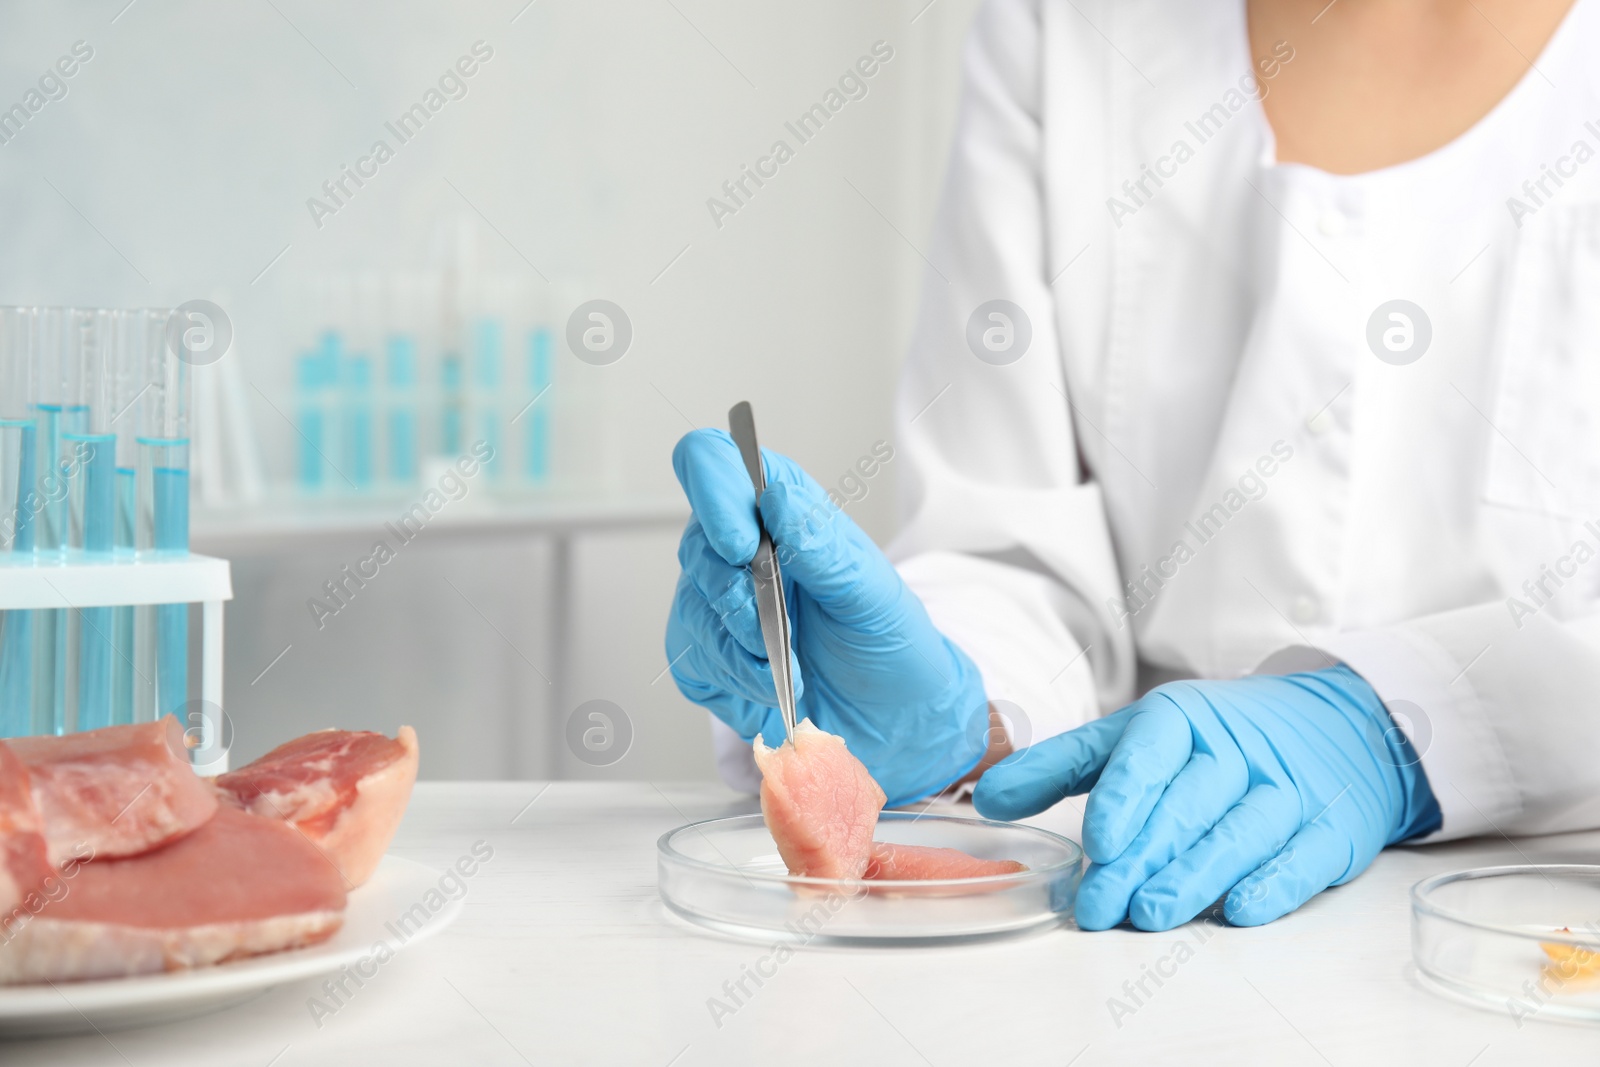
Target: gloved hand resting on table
<point>1267,789</point>
<point>871,665</point>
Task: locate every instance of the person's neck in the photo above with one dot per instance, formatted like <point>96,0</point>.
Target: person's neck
<point>1374,83</point>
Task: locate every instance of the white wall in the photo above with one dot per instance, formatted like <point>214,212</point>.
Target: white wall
<point>179,164</point>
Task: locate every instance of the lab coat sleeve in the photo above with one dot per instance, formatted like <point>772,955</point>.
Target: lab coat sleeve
<point>1501,713</point>
<point>736,760</point>
<point>1004,536</point>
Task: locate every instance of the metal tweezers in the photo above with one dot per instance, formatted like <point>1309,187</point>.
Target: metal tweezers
<point>770,603</point>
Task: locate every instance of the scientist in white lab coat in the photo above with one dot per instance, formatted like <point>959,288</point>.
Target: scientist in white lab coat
<point>1255,393</point>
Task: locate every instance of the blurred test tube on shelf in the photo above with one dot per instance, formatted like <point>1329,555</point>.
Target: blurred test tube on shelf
<point>406,299</point>
<point>310,422</point>
<point>487,396</point>
<point>18,500</point>
<point>357,462</point>
<point>162,506</point>
<point>400,394</point>
<point>88,463</point>
<point>536,416</point>
<point>451,439</point>
<point>356,419</point>
<point>316,388</point>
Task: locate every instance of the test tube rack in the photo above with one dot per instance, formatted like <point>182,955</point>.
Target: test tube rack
<point>185,579</point>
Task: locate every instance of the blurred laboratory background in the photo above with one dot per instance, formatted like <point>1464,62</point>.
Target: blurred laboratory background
<point>477,267</point>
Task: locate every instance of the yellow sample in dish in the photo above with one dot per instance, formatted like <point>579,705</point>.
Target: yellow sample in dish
<point>1569,962</point>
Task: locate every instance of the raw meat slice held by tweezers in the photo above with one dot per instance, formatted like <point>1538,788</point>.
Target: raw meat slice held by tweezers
<point>821,806</point>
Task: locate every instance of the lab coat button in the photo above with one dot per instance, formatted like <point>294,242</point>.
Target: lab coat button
<point>1304,609</point>
<point>1331,223</point>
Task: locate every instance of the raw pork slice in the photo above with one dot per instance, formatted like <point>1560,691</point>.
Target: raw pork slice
<point>24,860</point>
<point>820,804</point>
<point>344,790</point>
<point>915,863</point>
<point>117,791</point>
<point>238,886</point>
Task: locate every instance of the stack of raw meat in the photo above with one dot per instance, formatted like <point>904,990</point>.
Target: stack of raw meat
<point>821,806</point>
<point>116,859</point>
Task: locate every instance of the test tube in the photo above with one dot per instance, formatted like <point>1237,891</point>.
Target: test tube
<point>162,507</point>
<point>452,405</point>
<point>88,463</point>
<point>150,330</point>
<point>488,347</point>
<point>18,500</point>
<point>541,360</point>
<point>52,341</point>
<point>356,420</point>
<point>358,384</point>
<point>309,425</point>
<point>131,332</point>
<point>129,368</point>
<point>401,398</point>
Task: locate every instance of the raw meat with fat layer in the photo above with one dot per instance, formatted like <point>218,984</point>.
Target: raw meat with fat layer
<point>24,860</point>
<point>820,804</point>
<point>345,790</point>
<point>238,886</point>
<point>117,791</point>
<point>916,863</point>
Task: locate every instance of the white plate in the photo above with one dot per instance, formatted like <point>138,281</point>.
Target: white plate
<point>373,915</point>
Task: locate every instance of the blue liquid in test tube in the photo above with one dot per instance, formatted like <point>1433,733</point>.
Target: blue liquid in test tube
<point>122,674</point>
<point>17,480</point>
<point>537,445</point>
<point>139,335</point>
<point>89,466</point>
<point>402,413</point>
<point>164,465</point>
<point>163,527</point>
<point>452,417</point>
<point>356,427</point>
<point>87,461</point>
<point>488,349</point>
<point>309,421</point>
<point>50,624</point>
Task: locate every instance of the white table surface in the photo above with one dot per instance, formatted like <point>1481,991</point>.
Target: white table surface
<point>565,955</point>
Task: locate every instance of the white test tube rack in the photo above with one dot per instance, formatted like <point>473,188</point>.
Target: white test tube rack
<point>189,579</point>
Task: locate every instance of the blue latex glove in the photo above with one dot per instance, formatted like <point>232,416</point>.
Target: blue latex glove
<point>870,666</point>
<point>1268,789</point>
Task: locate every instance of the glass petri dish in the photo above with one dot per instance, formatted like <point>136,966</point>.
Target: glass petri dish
<point>1522,939</point>
<point>726,875</point>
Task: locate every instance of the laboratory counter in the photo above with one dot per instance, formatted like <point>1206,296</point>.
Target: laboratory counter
<point>564,954</point>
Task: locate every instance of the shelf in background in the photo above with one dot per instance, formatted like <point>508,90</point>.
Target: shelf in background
<point>273,524</point>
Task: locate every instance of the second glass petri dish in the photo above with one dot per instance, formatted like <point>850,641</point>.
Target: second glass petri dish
<point>726,875</point>
<point>1521,939</point>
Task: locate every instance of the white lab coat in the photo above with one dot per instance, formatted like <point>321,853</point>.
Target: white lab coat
<point>1223,322</point>
<point>1199,374</point>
